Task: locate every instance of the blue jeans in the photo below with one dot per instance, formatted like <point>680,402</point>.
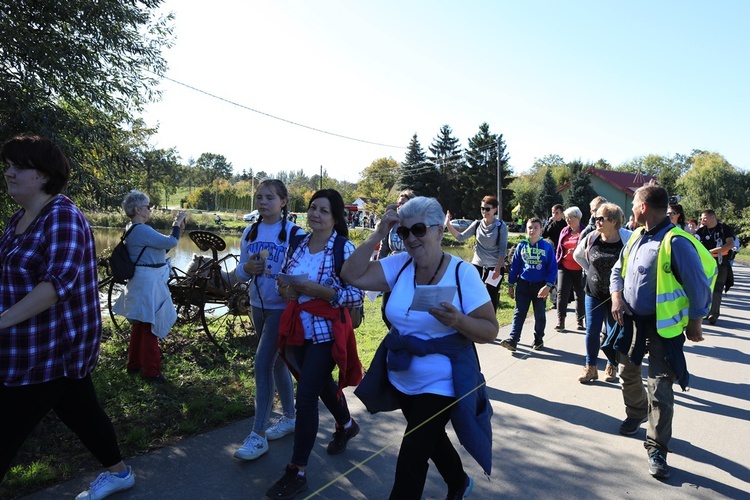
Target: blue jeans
<point>526,295</point>
<point>598,312</point>
<point>270,370</point>
<point>314,363</point>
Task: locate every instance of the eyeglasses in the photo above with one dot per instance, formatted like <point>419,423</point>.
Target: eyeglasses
<point>419,229</point>
<point>486,209</point>
<point>672,213</point>
<point>598,220</point>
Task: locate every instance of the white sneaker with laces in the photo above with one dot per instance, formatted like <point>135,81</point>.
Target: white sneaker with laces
<point>280,428</point>
<point>107,484</point>
<point>253,447</point>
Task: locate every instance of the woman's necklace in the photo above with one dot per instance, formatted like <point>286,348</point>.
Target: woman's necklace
<point>442,258</point>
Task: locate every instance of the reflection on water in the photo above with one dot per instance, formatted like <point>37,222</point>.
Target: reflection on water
<point>182,254</point>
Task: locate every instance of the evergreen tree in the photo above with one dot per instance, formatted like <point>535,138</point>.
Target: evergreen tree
<point>415,172</point>
<point>581,191</point>
<point>548,196</point>
<point>481,157</point>
<point>447,163</point>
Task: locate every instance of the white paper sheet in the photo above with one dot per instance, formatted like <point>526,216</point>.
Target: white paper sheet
<point>492,282</point>
<point>429,296</point>
<point>292,278</point>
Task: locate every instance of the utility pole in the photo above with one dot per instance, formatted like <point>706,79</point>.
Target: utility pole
<point>252,190</point>
<point>499,184</point>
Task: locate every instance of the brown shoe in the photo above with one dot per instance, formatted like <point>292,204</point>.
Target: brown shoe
<point>589,373</point>
<point>611,372</point>
<point>560,325</point>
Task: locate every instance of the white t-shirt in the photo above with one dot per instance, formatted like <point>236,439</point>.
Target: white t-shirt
<point>309,264</point>
<point>431,373</point>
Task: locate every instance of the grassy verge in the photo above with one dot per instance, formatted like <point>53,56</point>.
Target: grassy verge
<point>207,389</point>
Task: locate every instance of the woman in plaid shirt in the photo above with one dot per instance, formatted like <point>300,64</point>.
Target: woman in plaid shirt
<point>50,321</point>
<point>315,334</point>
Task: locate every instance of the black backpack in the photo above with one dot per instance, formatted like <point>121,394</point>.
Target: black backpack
<point>357,313</point>
<point>120,265</point>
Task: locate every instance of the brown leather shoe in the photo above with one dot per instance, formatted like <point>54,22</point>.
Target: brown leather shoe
<point>611,373</point>
<point>589,373</point>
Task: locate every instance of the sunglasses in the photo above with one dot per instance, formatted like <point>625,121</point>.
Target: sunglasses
<point>419,229</point>
<point>598,219</point>
<point>671,213</point>
<point>486,209</point>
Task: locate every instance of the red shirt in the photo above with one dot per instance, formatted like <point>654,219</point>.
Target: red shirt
<point>569,243</point>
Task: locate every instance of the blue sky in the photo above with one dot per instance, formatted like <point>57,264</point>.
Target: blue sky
<point>581,79</point>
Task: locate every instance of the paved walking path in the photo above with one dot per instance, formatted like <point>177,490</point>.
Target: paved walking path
<point>553,437</point>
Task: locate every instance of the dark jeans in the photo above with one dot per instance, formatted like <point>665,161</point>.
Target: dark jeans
<point>526,295</point>
<point>721,280</point>
<point>425,439</point>
<point>568,280</point>
<point>494,291</point>
<point>75,403</point>
<point>314,363</point>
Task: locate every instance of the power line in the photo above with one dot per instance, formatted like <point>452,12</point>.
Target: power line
<point>315,129</point>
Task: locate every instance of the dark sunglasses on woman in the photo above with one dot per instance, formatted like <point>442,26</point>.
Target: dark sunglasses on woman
<point>419,229</point>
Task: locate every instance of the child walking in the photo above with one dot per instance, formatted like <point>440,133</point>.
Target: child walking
<point>263,248</point>
<point>532,275</point>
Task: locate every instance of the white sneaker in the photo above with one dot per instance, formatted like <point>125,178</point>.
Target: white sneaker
<point>280,428</point>
<point>253,447</point>
<point>107,484</point>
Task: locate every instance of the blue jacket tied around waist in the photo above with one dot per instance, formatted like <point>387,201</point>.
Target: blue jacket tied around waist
<point>471,413</point>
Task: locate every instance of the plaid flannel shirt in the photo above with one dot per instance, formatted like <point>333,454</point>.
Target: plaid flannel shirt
<point>346,295</point>
<point>63,341</point>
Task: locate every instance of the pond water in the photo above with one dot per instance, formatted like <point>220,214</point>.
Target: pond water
<point>182,254</point>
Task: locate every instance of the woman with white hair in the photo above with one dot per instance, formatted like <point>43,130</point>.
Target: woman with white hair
<point>569,272</point>
<point>146,301</point>
<point>431,360</point>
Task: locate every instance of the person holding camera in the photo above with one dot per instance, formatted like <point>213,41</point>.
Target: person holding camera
<point>146,300</point>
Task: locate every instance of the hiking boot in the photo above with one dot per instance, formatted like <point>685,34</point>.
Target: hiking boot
<point>630,426</point>
<point>538,344</point>
<point>107,484</point>
<point>509,344</point>
<point>560,326</point>
<point>657,465</point>
<point>456,495</point>
<point>589,373</point>
<point>289,485</point>
<point>611,373</point>
<point>342,436</point>
<point>280,428</point>
<point>253,447</point>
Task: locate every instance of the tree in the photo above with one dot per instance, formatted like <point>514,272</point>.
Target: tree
<point>447,164</point>
<point>78,72</point>
<point>548,196</point>
<point>481,176</point>
<point>415,172</point>
<point>713,183</point>
<point>376,182</point>
<point>581,192</point>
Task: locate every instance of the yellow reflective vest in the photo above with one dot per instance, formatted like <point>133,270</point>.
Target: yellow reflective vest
<point>672,302</point>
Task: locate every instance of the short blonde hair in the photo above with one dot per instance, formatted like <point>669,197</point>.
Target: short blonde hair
<point>613,213</point>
